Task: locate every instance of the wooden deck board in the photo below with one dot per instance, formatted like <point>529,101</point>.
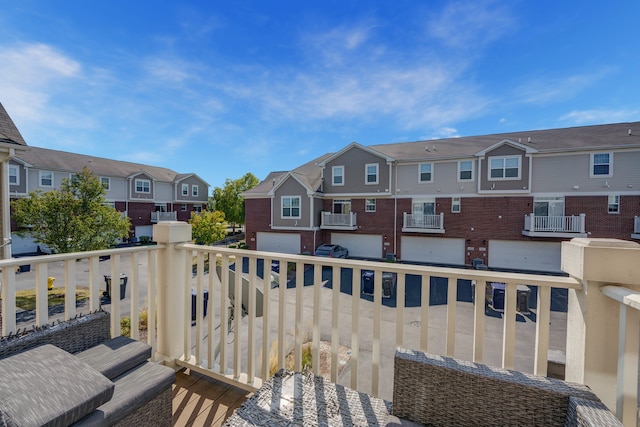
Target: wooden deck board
<point>201,401</point>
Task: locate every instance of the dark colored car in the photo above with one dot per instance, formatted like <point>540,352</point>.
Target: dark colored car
<point>332,251</point>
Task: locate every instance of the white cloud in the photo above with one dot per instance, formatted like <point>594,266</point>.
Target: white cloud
<point>542,90</point>
<point>597,116</point>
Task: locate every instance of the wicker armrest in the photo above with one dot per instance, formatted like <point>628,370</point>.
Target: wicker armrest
<point>439,390</point>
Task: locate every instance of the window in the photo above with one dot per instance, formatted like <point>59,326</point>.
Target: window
<point>290,206</point>
<point>46,179</point>
<point>455,205</point>
<point>548,206</point>
<point>143,186</point>
<point>110,204</point>
<point>425,171</point>
<point>194,190</point>
<point>465,170</point>
<point>371,172</point>
<point>601,164</point>
<point>424,207</point>
<point>338,175</point>
<point>197,208</point>
<point>185,189</point>
<point>504,168</point>
<point>14,175</point>
<point>341,206</point>
<point>106,183</point>
<point>370,205</point>
<point>183,207</point>
<point>614,204</point>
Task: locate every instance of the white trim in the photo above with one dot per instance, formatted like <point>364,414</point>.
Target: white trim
<point>185,190</point>
<point>504,168</point>
<point>291,207</point>
<point>108,187</point>
<point>458,204</point>
<point>333,176</point>
<point>197,190</point>
<point>366,204</point>
<point>17,175</point>
<point>473,169</point>
<point>366,173</point>
<point>609,203</point>
<point>431,172</point>
<point>142,181</point>
<point>592,164</point>
<point>40,174</point>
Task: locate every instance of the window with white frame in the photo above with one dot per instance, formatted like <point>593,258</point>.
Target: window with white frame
<point>185,189</point>
<point>105,182</point>
<point>194,190</point>
<point>371,172</point>
<point>197,208</point>
<point>290,206</point>
<point>505,167</point>
<point>370,205</point>
<point>425,172</point>
<point>183,207</point>
<point>341,206</point>
<point>337,175</point>
<point>465,170</point>
<point>143,186</point>
<point>614,204</point>
<point>46,179</point>
<point>601,164</point>
<point>455,205</point>
<point>14,175</point>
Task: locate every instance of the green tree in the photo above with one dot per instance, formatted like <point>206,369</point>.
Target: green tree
<point>74,218</point>
<point>208,227</point>
<point>227,199</point>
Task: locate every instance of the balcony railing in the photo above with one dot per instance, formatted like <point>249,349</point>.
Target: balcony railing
<point>163,216</point>
<point>423,223</point>
<point>554,226</point>
<point>334,221</point>
<point>239,321</point>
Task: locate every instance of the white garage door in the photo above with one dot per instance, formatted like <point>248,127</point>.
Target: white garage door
<point>433,250</point>
<point>284,243</point>
<point>359,245</point>
<point>144,230</point>
<point>537,256</point>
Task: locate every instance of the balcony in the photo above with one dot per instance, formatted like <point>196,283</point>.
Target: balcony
<point>423,223</point>
<point>163,216</point>
<point>253,322</point>
<point>636,228</point>
<point>554,226</point>
<point>335,221</point>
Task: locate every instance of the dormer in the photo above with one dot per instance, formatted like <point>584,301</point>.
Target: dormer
<point>505,167</point>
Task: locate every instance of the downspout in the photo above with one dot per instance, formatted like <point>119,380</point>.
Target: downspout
<point>6,206</point>
<point>395,210</point>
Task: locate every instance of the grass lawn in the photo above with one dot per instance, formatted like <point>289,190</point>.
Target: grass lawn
<point>26,300</point>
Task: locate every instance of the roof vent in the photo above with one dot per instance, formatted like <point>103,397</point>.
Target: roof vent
<point>426,148</point>
<point>629,131</point>
<point>519,139</point>
<point>529,140</point>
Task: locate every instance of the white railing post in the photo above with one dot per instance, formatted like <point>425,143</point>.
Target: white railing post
<point>582,221</point>
<point>592,317</point>
<point>171,288</point>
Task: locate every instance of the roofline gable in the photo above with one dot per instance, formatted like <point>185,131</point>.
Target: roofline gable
<point>519,145</point>
<point>284,179</point>
<point>355,145</point>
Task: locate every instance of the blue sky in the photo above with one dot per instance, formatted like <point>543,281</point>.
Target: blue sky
<point>225,88</point>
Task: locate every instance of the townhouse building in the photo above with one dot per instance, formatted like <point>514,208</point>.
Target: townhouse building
<point>503,201</point>
<point>146,194</point>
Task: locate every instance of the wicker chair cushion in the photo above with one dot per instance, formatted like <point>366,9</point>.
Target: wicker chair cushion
<point>46,386</point>
<point>116,356</point>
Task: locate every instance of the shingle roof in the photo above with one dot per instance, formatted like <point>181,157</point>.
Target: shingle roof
<point>9,133</point>
<point>549,140</point>
<point>44,158</point>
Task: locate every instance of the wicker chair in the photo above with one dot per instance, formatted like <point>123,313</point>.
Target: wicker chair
<point>442,391</point>
<point>140,392</point>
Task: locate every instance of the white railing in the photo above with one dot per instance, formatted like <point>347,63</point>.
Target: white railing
<point>413,222</point>
<point>301,309</point>
<point>559,224</point>
<point>73,271</point>
<point>163,216</point>
<point>334,220</point>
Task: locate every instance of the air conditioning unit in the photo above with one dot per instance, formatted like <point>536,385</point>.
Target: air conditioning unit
<point>478,264</point>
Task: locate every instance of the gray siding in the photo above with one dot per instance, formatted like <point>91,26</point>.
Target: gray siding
<point>445,180</point>
<point>354,161</point>
<point>117,189</point>
<point>505,185</point>
<point>203,190</point>
<point>141,196</point>
<point>291,187</point>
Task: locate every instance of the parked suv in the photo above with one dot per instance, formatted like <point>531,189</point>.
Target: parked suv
<point>332,251</point>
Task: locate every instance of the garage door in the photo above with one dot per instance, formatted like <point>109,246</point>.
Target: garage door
<point>144,230</point>
<point>360,245</point>
<point>285,243</point>
<point>433,250</point>
<point>537,256</point>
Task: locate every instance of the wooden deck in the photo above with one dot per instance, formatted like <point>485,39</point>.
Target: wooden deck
<point>201,401</point>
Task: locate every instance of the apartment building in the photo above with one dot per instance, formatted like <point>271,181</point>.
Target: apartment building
<point>505,201</point>
<point>146,194</point>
